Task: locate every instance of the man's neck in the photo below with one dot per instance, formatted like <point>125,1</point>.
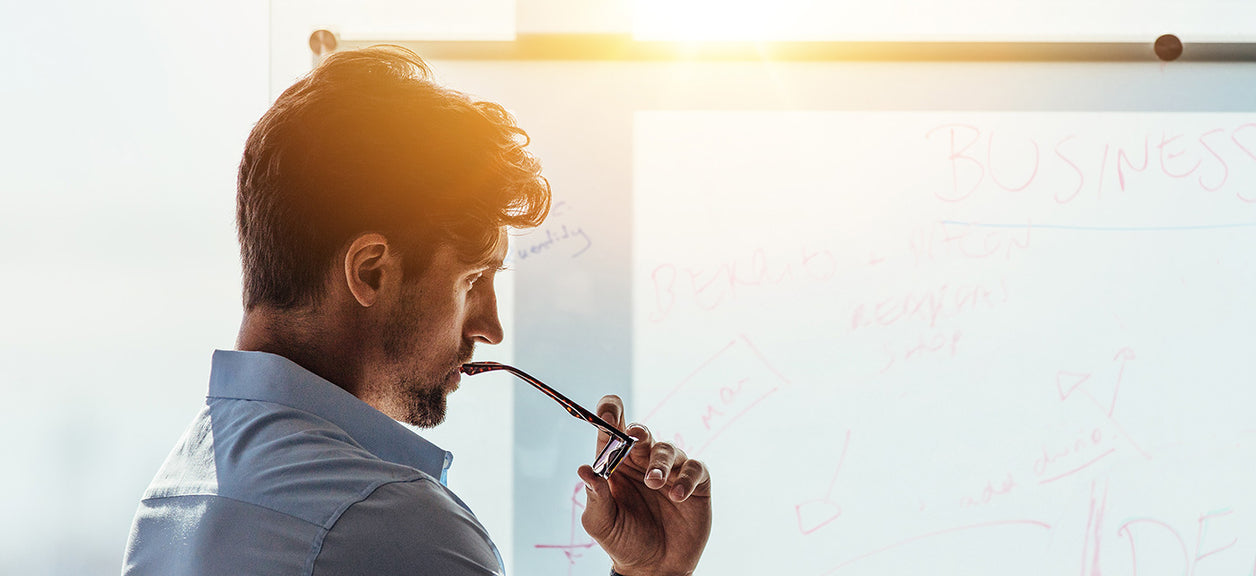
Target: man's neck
<point>300,337</point>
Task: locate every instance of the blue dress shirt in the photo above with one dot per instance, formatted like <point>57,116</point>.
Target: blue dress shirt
<point>283,472</point>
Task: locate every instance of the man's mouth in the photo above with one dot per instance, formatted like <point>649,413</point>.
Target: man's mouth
<point>465,353</point>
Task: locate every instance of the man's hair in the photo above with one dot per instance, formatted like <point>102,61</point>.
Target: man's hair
<point>367,142</point>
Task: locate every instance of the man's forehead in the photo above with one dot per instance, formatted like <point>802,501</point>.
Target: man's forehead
<point>497,257</point>
<point>501,250</point>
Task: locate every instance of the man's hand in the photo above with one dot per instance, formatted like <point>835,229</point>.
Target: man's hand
<point>653,515</point>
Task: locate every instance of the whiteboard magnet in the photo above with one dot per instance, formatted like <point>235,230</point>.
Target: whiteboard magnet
<point>322,42</point>
<point>1168,47</point>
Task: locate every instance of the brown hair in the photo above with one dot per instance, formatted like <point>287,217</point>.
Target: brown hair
<point>367,142</point>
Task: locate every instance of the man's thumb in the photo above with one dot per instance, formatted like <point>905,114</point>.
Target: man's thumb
<point>599,508</point>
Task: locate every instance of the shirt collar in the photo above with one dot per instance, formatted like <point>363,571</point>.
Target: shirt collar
<point>266,377</point>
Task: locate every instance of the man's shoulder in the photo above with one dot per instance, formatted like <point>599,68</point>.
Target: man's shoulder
<point>255,487</point>
<point>418,526</point>
<point>277,458</point>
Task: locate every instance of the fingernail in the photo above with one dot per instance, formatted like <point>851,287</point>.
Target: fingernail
<point>654,474</point>
<point>678,493</point>
<point>590,488</point>
<point>607,416</point>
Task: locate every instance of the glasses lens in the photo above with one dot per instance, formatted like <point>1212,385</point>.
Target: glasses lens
<point>611,456</point>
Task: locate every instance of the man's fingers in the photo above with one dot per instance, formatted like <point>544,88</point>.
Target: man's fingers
<point>690,479</point>
<point>611,409</point>
<point>595,484</point>
<point>643,436</point>
<point>640,453</point>
<point>662,456</point>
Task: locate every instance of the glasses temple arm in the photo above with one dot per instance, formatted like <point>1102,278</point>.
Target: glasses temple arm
<point>576,409</point>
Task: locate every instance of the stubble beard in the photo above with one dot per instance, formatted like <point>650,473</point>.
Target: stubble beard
<point>421,396</point>
<point>425,408</point>
<point>426,401</point>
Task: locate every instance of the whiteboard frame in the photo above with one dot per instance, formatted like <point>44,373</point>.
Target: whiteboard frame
<point>622,47</point>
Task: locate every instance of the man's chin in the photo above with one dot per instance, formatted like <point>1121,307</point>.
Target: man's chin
<point>427,409</point>
<point>427,420</point>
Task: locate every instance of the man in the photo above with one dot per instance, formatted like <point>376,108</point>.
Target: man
<point>372,211</point>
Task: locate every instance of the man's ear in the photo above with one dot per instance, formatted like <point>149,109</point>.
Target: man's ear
<point>370,265</point>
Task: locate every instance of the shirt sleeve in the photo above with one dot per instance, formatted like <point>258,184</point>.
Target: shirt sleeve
<point>410,528</point>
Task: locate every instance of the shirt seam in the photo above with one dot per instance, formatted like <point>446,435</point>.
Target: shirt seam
<point>246,502</point>
<point>317,548</point>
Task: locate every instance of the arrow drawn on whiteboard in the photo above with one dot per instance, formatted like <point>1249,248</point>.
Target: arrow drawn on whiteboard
<point>1070,380</point>
<point>1124,355</point>
<point>1069,383</point>
<point>822,511</point>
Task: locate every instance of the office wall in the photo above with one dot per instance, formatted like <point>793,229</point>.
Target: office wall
<point>122,124</point>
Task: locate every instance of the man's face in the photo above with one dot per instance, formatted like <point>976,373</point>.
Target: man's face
<point>432,331</point>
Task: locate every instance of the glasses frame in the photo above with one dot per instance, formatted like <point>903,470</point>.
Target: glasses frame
<point>616,448</point>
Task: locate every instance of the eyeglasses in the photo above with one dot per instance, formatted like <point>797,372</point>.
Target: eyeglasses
<point>614,451</point>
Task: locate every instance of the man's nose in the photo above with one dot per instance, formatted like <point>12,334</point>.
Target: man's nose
<point>484,325</point>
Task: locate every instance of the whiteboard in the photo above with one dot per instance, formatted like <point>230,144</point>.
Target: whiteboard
<point>954,342</point>
<point>626,201</point>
